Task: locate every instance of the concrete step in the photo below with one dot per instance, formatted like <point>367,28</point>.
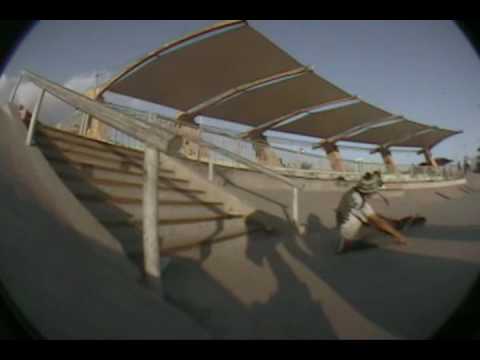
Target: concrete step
<point>99,146</point>
<point>178,235</point>
<point>188,246</point>
<point>106,188</point>
<point>111,209</point>
<point>87,159</point>
<point>81,168</point>
<point>81,153</point>
<point>108,179</point>
<point>73,177</point>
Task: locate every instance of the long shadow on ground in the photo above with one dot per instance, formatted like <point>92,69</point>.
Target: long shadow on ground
<point>410,296</point>
<point>289,313</point>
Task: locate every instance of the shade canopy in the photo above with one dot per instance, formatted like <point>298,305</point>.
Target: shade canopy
<point>332,122</point>
<point>189,75</point>
<point>405,133</point>
<point>270,102</point>
<point>204,67</point>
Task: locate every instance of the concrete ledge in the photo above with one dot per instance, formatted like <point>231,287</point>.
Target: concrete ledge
<point>433,184</point>
<point>328,181</point>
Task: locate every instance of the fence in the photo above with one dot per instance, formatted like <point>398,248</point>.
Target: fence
<point>295,162</point>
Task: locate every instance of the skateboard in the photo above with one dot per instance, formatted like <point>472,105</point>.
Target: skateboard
<point>411,222</point>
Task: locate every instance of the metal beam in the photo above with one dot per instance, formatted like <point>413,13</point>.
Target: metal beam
<point>168,46</point>
<point>390,120</point>
<point>225,96</point>
<point>255,132</point>
<point>402,140</point>
<point>348,101</point>
<point>360,129</point>
<point>409,137</point>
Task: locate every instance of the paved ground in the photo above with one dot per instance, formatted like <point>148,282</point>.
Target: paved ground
<point>288,286</point>
<point>70,278</point>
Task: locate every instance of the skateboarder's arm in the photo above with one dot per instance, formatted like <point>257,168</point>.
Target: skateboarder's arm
<point>383,225</point>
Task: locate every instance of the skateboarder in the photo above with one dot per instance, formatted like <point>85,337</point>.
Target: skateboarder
<point>356,220</point>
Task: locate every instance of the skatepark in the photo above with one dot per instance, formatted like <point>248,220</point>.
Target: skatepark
<point>238,259</point>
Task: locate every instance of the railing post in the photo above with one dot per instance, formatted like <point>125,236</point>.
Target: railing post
<point>15,89</point>
<point>83,125</point>
<point>210,166</point>
<point>86,123</point>
<point>295,206</point>
<point>33,120</point>
<point>80,126</point>
<point>151,248</point>
<point>150,118</point>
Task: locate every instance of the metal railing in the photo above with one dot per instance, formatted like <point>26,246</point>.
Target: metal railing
<point>149,133</point>
<point>290,159</point>
<point>295,163</point>
<point>216,155</point>
<point>155,139</point>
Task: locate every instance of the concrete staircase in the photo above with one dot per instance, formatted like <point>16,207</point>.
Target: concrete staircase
<point>108,180</point>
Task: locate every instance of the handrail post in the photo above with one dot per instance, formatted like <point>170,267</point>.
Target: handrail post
<point>80,127</point>
<point>15,89</point>
<point>151,118</point>
<point>151,248</point>
<point>295,206</point>
<point>210,166</point>
<point>33,120</point>
<point>83,124</point>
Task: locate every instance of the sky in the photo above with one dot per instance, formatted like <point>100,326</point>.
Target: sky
<point>426,71</point>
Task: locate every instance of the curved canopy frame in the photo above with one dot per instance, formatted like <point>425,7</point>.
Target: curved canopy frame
<point>232,72</point>
<point>134,66</point>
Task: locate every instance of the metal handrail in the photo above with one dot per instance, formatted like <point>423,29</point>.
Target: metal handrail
<point>136,128</point>
<point>227,153</point>
<point>154,136</point>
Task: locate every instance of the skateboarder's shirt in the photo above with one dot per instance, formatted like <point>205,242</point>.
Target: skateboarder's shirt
<point>352,214</point>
